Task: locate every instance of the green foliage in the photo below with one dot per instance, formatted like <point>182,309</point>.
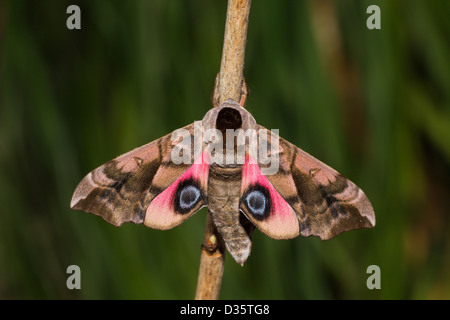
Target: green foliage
<point>71,100</point>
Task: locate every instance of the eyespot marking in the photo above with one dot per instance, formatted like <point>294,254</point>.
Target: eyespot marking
<point>187,196</point>
<point>257,201</point>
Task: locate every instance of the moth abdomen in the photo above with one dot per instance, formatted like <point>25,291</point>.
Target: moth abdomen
<point>224,185</point>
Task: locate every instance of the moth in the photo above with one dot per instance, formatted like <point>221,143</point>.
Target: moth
<point>164,182</point>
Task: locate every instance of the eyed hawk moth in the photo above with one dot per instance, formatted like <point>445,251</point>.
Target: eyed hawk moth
<point>304,197</point>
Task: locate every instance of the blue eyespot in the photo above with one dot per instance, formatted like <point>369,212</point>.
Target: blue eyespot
<point>256,202</point>
<point>189,196</point>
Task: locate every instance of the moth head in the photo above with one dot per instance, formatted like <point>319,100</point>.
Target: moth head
<point>229,115</point>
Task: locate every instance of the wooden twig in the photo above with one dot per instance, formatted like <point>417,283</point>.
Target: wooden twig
<point>228,85</point>
<point>211,263</point>
<point>231,74</point>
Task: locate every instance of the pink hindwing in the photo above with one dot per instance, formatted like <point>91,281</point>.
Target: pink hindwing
<point>264,206</point>
<point>181,199</point>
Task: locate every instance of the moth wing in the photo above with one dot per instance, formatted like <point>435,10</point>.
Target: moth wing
<point>264,206</point>
<point>182,198</point>
<point>326,203</point>
<point>123,189</point>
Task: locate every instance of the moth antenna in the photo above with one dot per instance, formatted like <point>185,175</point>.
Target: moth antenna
<point>215,97</point>
<point>245,91</point>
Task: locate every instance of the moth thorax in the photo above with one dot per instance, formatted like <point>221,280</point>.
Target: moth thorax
<point>228,119</point>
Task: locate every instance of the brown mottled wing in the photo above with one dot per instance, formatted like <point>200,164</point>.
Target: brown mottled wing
<point>326,202</point>
<point>121,190</point>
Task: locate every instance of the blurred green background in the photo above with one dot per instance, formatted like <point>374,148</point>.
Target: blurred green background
<point>374,104</point>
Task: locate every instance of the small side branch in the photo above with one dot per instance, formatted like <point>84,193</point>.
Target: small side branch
<point>211,264</point>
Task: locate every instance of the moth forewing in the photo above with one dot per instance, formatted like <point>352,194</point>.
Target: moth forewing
<point>326,203</point>
<point>268,151</point>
